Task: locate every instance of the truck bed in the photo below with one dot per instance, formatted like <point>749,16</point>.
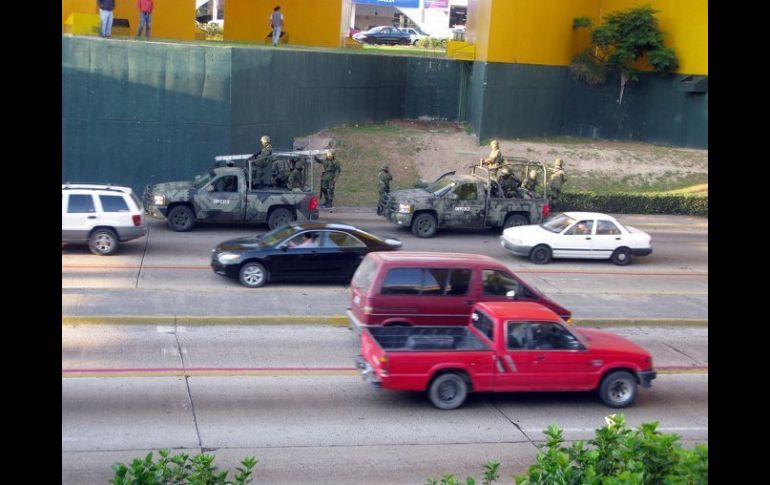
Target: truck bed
<point>422,338</point>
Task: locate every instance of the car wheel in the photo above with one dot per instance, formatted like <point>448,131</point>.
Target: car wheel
<point>448,391</point>
<point>424,225</point>
<point>621,256</point>
<point>618,389</point>
<point>252,275</point>
<point>515,220</point>
<point>103,242</point>
<point>541,254</point>
<point>279,217</point>
<point>181,218</point>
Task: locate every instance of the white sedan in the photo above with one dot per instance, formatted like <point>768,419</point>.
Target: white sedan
<point>577,235</point>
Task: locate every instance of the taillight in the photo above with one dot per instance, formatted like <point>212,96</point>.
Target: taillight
<point>546,210</point>
<point>137,218</point>
<point>313,203</point>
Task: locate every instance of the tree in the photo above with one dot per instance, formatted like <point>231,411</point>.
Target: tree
<point>624,38</point>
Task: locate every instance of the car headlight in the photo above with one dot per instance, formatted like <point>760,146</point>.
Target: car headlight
<point>159,199</point>
<point>225,258</point>
<point>405,208</point>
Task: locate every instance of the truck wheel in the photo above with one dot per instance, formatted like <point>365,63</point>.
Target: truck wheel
<point>181,218</point>
<point>541,254</point>
<point>515,220</point>
<point>424,225</point>
<point>448,391</point>
<point>621,256</point>
<point>103,242</point>
<point>618,389</point>
<point>279,217</point>
<point>252,275</point>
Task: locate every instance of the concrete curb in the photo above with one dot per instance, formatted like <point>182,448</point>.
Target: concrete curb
<point>332,320</point>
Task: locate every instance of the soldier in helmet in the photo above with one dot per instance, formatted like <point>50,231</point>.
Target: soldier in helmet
<point>280,173</point>
<point>556,182</point>
<point>509,183</point>
<point>331,169</point>
<point>297,174</point>
<point>495,159</point>
<point>530,183</point>
<point>383,186</point>
<point>261,173</point>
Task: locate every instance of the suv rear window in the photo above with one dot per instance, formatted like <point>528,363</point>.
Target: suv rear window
<point>80,203</point>
<point>113,203</point>
<point>364,275</point>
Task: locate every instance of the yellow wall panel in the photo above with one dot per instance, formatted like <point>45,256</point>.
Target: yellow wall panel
<point>171,19</point>
<point>311,23</point>
<point>77,6</point>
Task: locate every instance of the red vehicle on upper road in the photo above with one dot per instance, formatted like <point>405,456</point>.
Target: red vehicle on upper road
<point>508,346</point>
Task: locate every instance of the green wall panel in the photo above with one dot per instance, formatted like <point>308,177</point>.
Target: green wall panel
<point>433,88</point>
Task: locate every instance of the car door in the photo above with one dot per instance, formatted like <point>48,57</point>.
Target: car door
<point>464,206</point>
<point>79,216</point>
<point>607,238</point>
<point>298,259</point>
<point>445,296</point>
<point>340,254</point>
<point>222,199</point>
<point>514,361</point>
<point>558,360</point>
<point>576,241</point>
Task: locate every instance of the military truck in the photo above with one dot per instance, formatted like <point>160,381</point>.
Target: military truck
<point>235,190</point>
<point>471,201</point>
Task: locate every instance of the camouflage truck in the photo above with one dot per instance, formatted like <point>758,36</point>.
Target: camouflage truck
<point>471,201</point>
<point>232,190</point>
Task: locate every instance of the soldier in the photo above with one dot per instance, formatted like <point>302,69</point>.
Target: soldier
<point>280,173</point>
<point>495,159</point>
<point>509,183</point>
<point>383,186</point>
<point>530,183</point>
<point>297,174</point>
<point>328,177</point>
<point>260,173</point>
<point>558,177</point>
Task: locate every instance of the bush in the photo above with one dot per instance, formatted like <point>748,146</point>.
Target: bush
<point>635,203</point>
<point>617,455</point>
<point>179,469</point>
<point>432,43</point>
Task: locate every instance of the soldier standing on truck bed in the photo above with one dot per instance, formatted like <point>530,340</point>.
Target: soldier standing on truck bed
<point>383,186</point>
<point>530,184</point>
<point>558,177</point>
<point>509,183</point>
<point>297,174</point>
<point>495,159</point>
<point>261,174</point>
<point>328,177</point>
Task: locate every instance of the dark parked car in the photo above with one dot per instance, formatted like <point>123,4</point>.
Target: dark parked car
<point>312,251</point>
<point>383,35</point>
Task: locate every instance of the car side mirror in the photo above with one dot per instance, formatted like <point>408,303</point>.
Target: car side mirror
<point>451,196</point>
<point>284,247</point>
<point>511,295</point>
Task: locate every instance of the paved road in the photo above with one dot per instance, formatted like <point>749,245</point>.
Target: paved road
<point>290,397</point>
<point>167,274</point>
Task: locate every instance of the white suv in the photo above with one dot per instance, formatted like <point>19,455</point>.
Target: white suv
<point>100,215</point>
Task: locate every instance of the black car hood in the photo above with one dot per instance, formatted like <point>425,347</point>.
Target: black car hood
<point>240,244</point>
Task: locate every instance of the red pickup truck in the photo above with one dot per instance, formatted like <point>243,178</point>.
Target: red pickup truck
<point>507,346</point>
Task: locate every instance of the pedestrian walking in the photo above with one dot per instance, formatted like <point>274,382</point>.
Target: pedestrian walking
<point>145,11</point>
<point>105,14</point>
<point>276,23</point>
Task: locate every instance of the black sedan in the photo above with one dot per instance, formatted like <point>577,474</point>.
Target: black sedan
<point>312,251</point>
<point>383,35</point>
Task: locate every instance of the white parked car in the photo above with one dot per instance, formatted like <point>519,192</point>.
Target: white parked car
<point>577,235</point>
<point>101,215</point>
<point>414,34</point>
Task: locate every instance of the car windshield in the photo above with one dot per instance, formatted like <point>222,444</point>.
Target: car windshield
<point>440,187</point>
<point>277,235</point>
<point>557,223</point>
<point>202,180</point>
